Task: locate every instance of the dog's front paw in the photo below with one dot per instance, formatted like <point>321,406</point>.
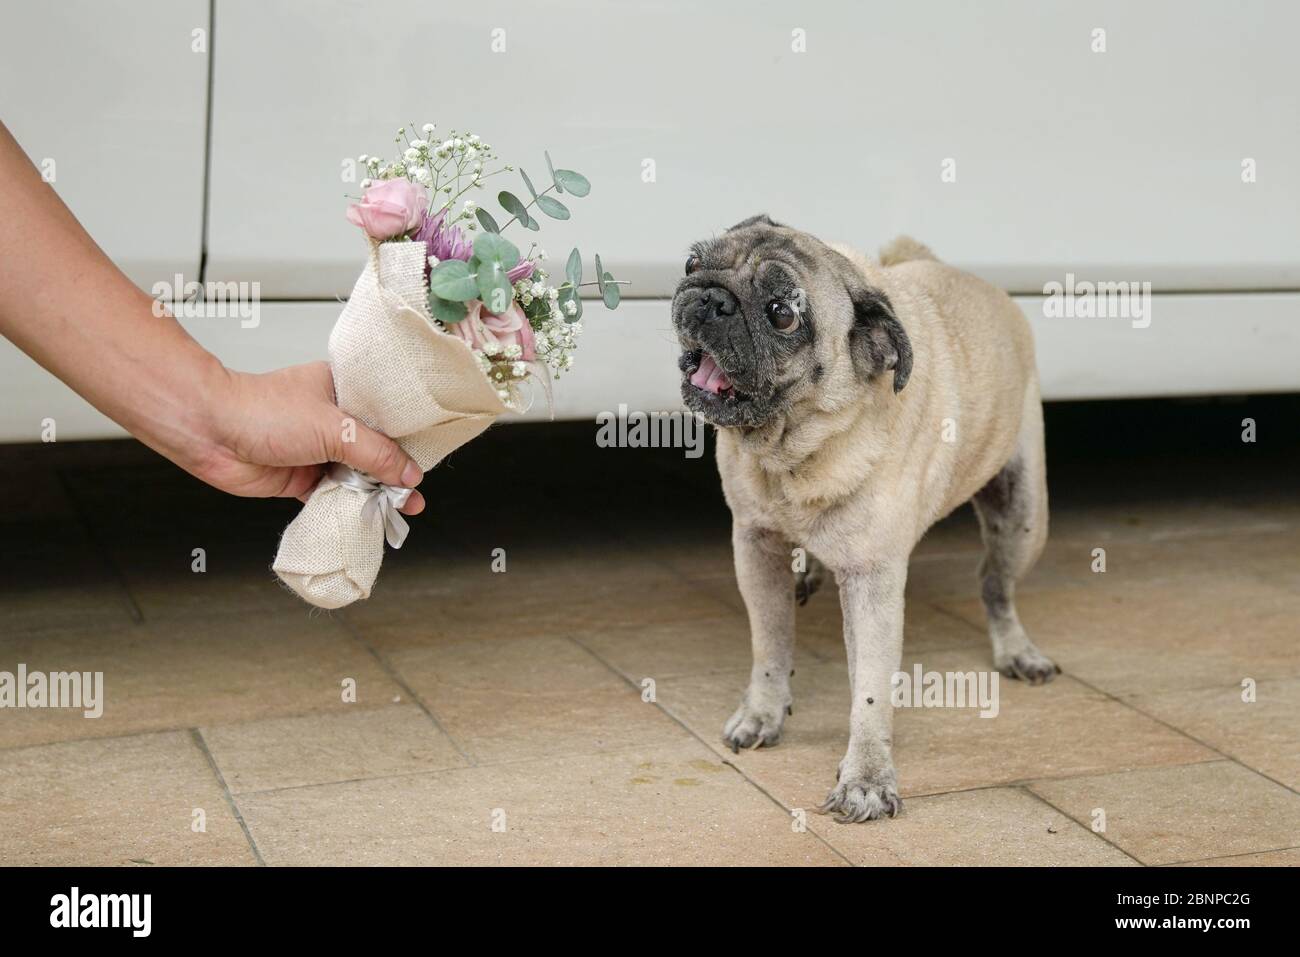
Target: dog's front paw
<point>863,798</point>
<point>757,722</point>
<point>1030,665</point>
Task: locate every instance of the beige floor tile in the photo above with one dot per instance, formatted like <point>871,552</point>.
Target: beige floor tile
<point>995,827</point>
<point>51,587</point>
<point>1166,815</point>
<point>325,748</point>
<point>653,806</point>
<point>517,698</point>
<point>194,671</point>
<point>1167,518</point>
<point>1255,551</point>
<point>512,605</point>
<point>1289,857</point>
<point>1137,638</point>
<point>1264,733</point>
<point>237,581</point>
<point>1059,729</point>
<point>117,801</point>
<point>661,651</point>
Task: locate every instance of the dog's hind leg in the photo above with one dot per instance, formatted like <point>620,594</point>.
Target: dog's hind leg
<point>809,581</point>
<point>1012,511</point>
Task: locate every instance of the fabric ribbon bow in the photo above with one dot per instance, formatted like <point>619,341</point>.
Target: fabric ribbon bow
<point>381,499</point>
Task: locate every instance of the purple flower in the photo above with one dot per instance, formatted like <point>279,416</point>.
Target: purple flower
<point>522,271</point>
<point>441,242</point>
<point>444,242</point>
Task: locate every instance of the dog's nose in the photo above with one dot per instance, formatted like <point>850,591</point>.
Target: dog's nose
<point>711,303</point>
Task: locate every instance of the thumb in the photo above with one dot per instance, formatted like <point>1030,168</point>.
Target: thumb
<point>375,454</point>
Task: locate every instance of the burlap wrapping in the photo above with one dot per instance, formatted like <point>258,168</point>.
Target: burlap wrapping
<point>396,372</point>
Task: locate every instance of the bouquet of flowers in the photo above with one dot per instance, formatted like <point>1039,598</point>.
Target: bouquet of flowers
<point>444,327</point>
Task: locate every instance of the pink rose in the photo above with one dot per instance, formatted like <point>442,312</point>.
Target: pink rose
<point>389,208</point>
<point>511,328</point>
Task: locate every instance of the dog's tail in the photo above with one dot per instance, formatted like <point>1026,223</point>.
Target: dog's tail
<point>904,249</point>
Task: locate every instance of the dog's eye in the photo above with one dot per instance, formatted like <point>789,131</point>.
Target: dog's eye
<point>782,317</point>
<point>692,264</point>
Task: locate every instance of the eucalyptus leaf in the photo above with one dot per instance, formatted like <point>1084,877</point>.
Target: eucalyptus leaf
<point>451,279</point>
<point>551,167</point>
<point>494,248</point>
<point>611,293</point>
<point>445,311</point>
<point>600,275</point>
<point>486,221</point>
<point>494,287</point>
<point>513,205</point>
<point>575,183</point>
<point>573,268</point>
<point>528,182</point>
<point>552,207</point>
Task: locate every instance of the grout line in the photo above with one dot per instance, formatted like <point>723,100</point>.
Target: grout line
<point>1229,857</point>
<point>1191,737</point>
<point>691,731</point>
<point>955,617</point>
<point>207,145</point>
<point>202,745</point>
<point>1032,793</point>
<point>104,554</point>
<point>388,669</point>
<point>378,777</point>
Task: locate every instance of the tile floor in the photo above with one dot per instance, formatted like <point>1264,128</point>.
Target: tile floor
<point>503,719</point>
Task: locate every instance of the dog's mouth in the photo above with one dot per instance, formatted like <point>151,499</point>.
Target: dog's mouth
<point>704,374</point>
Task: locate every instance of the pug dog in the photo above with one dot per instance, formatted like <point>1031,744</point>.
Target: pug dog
<point>856,404</point>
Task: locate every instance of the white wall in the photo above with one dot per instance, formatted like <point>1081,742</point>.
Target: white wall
<point>1123,165</point>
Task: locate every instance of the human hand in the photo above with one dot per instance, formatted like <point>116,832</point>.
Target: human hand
<point>269,435</point>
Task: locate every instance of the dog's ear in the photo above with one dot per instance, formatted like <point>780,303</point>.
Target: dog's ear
<point>877,340</point>
<point>763,218</point>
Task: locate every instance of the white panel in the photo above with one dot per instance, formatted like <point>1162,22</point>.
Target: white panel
<point>1123,164</point>
<point>112,92</point>
<point>1195,345</point>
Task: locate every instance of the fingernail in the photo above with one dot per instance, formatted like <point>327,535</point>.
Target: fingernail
<point>411,475</point>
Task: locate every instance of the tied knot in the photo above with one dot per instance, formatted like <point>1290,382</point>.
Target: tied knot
<point>381,500</point>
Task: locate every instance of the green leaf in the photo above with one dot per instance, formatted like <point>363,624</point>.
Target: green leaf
<point>575,183</point>
<point>611,293</point>
<point>491,247</point>
<point>513,205</point>
<point>552,207</point>
<point>551,167</point>
<point>600,275</point>
<point>445,311</point>
<point>494,288</point>
<point>451,279</point>
<point>573,268</point>
<point>528,182</point>
<point>496,256</point>
<point>486,221</point>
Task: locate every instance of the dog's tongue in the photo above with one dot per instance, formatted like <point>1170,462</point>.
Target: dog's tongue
<point>709,376</point>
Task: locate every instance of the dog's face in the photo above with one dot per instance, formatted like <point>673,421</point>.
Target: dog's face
<point>768,316</point>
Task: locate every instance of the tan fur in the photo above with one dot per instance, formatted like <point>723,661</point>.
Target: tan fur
<point>874,463</point>
<point>855,473</point>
